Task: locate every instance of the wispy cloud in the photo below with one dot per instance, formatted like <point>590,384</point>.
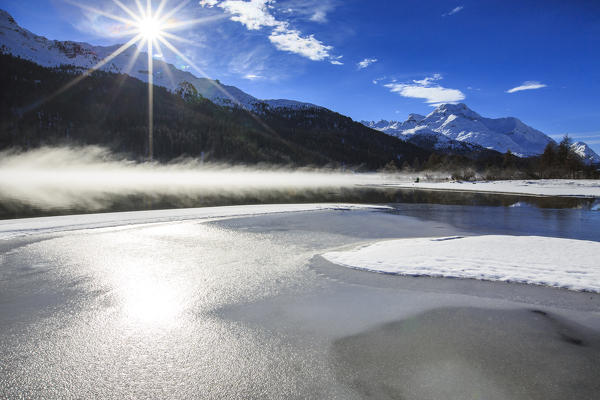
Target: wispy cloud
<point>319,16</point>
<point>208,3</point>
<point>427,89</point>
<point>529,85</point>
<point>312,10</point>
<point>453,11</point>
<point>366,62</point>
<point>254,63</point>
<point>256,14</point>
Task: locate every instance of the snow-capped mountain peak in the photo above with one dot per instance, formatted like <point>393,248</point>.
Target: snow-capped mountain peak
<point>415,117</point>
<point>6,19</point>
<point>585,152</point>
<point>449,109</point>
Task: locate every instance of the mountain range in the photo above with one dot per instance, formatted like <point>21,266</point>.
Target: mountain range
<point>455,127</point>
<point>450,128</point>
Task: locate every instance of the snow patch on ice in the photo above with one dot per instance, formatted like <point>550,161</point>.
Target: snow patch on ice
<point>562,263</point>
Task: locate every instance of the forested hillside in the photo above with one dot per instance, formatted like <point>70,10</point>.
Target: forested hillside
<point>111,110</point>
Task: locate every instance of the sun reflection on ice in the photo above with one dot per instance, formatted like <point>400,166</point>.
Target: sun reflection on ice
<point>149,300</point>
<point>146,284</point>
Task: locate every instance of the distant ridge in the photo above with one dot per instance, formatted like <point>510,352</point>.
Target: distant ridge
<point>451,126</point>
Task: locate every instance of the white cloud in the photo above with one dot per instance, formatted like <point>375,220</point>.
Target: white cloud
<point>366,62</point>
<point>286,39</point>
<point>529,85</point>
<point>253,77</point>
<point>256,14</point>
<point>453,11</point>
<point>336,62</point>
<point>427,89</point>
<point>428,80</point>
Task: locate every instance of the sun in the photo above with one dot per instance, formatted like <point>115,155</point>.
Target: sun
<point>150,28</point>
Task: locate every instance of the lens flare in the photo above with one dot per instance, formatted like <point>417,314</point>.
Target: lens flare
<point>150,28</point>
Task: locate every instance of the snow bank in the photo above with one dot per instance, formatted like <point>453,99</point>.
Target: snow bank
<point>542,187</point>
<point>563,263</point>
<point>28,226</point>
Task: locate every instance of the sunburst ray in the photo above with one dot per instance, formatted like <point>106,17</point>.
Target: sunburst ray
<point>149,27</point>
<point>85,74</point>
<point>164,65</point>
<point>127,10</point>
<point>217,86</point>
<point>103,13</point>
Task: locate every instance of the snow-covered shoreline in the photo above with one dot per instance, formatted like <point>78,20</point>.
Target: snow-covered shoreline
<point>13,228</point>
<point>562,263</point>
<point>541,187</point>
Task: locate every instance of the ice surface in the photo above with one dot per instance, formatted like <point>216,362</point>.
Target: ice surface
<point>564,263</point>
<point>28,226</point>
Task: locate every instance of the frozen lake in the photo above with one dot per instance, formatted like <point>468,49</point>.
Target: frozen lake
<point>244,307</point>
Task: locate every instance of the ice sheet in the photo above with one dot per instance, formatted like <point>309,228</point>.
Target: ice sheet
<point>28,226</point>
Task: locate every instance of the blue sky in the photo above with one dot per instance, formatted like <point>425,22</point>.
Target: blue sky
<point>535,60</point>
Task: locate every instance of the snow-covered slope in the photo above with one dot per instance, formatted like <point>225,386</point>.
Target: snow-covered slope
<point>20,42</point>
<point>422,136</point>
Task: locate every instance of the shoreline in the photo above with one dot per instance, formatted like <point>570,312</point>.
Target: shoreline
<point>588,188</point>
<point>541,295</point>
<point>480,191</point>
